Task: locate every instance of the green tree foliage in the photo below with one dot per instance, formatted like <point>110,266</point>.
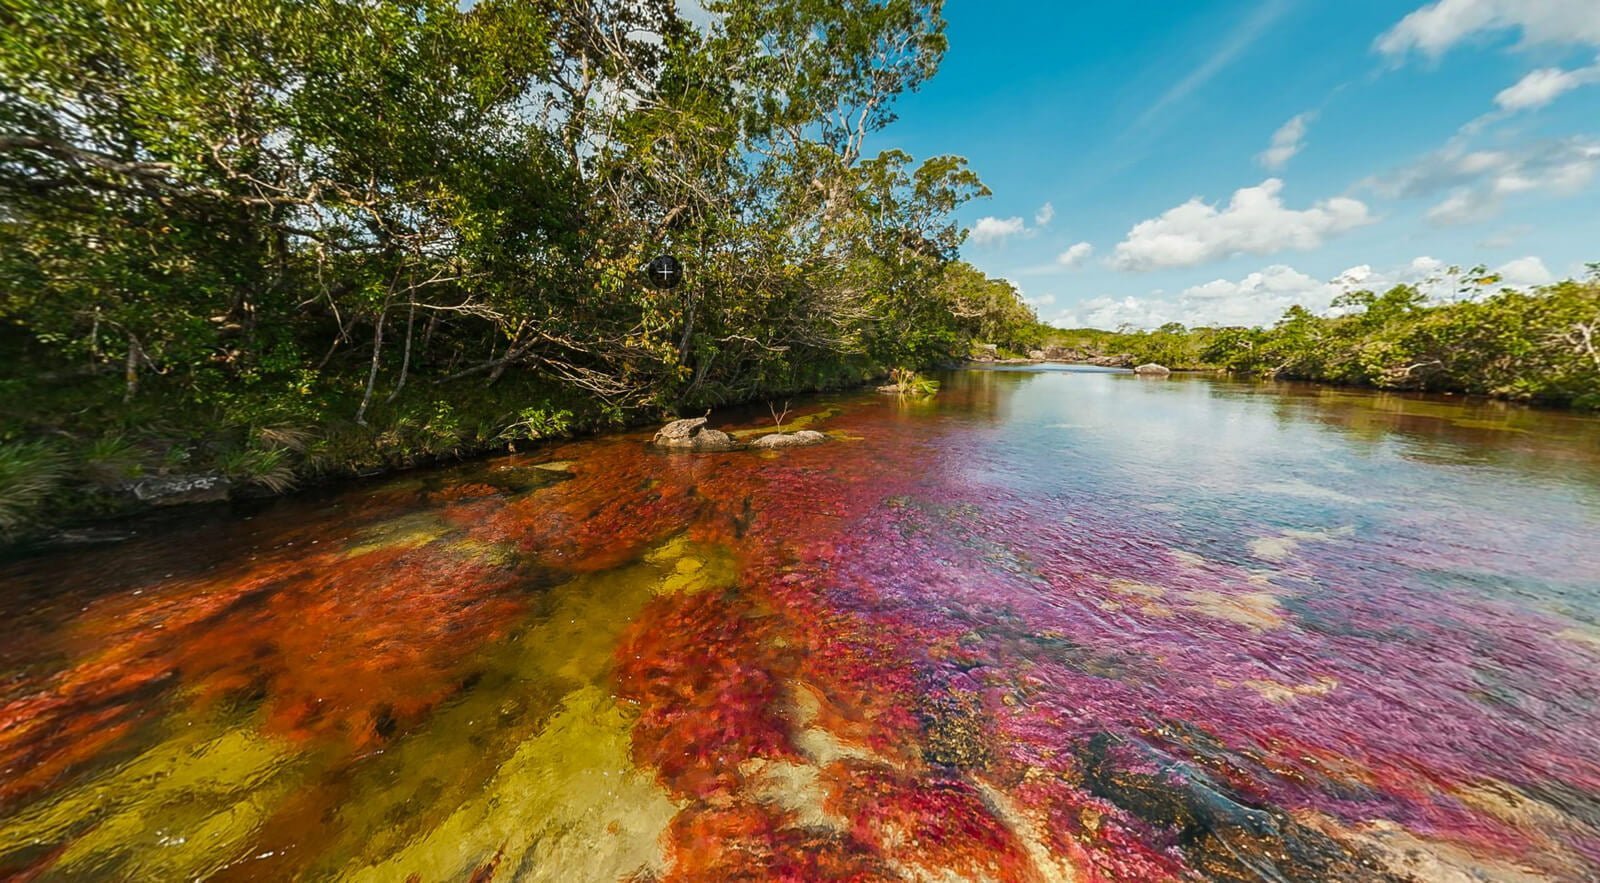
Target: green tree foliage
<point>403,226</point>
<point>1537,346</point>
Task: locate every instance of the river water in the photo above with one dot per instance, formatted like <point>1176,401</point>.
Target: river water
<point>1048,625</point>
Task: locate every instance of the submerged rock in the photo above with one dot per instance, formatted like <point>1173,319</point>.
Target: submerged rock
<point>799,439</point>
<point>1219,832</point>
<point>692,435</point>
<point>1153,370</point>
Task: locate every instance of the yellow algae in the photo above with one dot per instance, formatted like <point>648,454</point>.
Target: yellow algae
<point>555,465</point>
<point>792,424</point>
<point>1581,635</point>
<point>1188,559</point>
<point>1279,692</point>
<point>1282,546</point>
<point>420,782</point>
<point>405,532</point>
<point>1275,548</point>
<point>1411,857</point>
<point>1258,610</point>
<point>693,568</point>
<point>1144,590</point>
<point>568,806</point>
<point>1507,802</point>
<point>183,809</point>
<point>421,779</point>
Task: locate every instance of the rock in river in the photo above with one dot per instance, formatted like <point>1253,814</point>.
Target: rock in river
<point>692,435</point>
<point>790,440</point>
<point>172,490</point>
<point>1151,368</point>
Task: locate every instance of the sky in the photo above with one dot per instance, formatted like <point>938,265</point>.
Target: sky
<point>1216,161</point>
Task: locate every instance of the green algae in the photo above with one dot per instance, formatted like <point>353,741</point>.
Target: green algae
<point>405,532</point>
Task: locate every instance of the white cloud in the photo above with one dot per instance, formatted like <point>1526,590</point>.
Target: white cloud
<point>1075,255</point>
<point>1474,184</point>
<point>1261,298</point>
<point>1255,221</point>
<point>1528,272</point>
<point>995,230</point>
<point>1436,28</point>
<point>1287,141</point>
<point>1044,215</point>
<point>1545,85</point>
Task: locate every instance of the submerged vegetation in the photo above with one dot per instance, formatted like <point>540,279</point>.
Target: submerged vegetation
<point>1539,346</point>
<point>276,240</point>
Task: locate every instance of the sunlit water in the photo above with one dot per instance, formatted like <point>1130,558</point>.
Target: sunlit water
<point>1049,625</point>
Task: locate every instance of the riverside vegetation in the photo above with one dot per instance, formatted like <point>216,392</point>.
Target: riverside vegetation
<point>1540,346</point>
<point>275,241</point>
<point>278,240</point>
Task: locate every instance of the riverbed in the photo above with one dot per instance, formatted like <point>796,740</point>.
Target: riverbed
<point>1050,624</point>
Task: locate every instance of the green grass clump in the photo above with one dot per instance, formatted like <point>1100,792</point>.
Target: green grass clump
<point>30,472</point>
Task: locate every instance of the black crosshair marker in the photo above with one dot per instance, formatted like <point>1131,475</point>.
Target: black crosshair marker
<point>664,272</point>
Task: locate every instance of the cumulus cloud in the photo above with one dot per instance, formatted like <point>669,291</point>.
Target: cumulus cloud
<point>1543,86</point>
<point>1286,142</point>
<point>1075,255</point>
<point>993,230</point>
<point>1259,298</point>
<point>1044,215</point>
<point>1528,272</point>
<point>1474,184</point>
<point>1255,221</point>
<point>1436,28</point>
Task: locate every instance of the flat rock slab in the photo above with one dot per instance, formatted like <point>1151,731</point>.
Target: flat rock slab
<point>172,490</point>
<point>803,438</point>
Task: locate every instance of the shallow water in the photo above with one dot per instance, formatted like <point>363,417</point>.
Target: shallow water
<point>1050,625</point>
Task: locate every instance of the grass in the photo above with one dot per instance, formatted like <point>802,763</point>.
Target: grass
<point>30,473</point>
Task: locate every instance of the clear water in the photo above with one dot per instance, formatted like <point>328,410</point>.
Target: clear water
<point>1049,625</point>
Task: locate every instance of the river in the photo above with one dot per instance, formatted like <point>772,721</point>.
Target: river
<point>1051,624</point>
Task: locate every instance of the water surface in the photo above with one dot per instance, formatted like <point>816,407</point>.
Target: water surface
<point>1050,625</point>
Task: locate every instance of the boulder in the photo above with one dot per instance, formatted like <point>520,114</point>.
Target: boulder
<point>789,439</point>
<point>1122,361</point>
<point>1037,355</point>
<point>173,490</point>
<point>1152,369</point>
<point>692,435</point>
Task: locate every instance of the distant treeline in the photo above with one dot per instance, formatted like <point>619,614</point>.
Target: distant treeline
<point>274,239</point>
<point>1539,346</point>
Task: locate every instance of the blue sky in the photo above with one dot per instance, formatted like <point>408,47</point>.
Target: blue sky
<point>1130,148</point>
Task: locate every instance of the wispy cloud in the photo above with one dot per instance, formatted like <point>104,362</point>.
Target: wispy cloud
<point>1289,140</point>
<point>1225,53</point>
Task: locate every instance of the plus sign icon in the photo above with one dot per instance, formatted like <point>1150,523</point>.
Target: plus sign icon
<point>665,272</point>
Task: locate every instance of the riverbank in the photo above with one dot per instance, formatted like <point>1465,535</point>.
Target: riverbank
<point>158,455</point>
